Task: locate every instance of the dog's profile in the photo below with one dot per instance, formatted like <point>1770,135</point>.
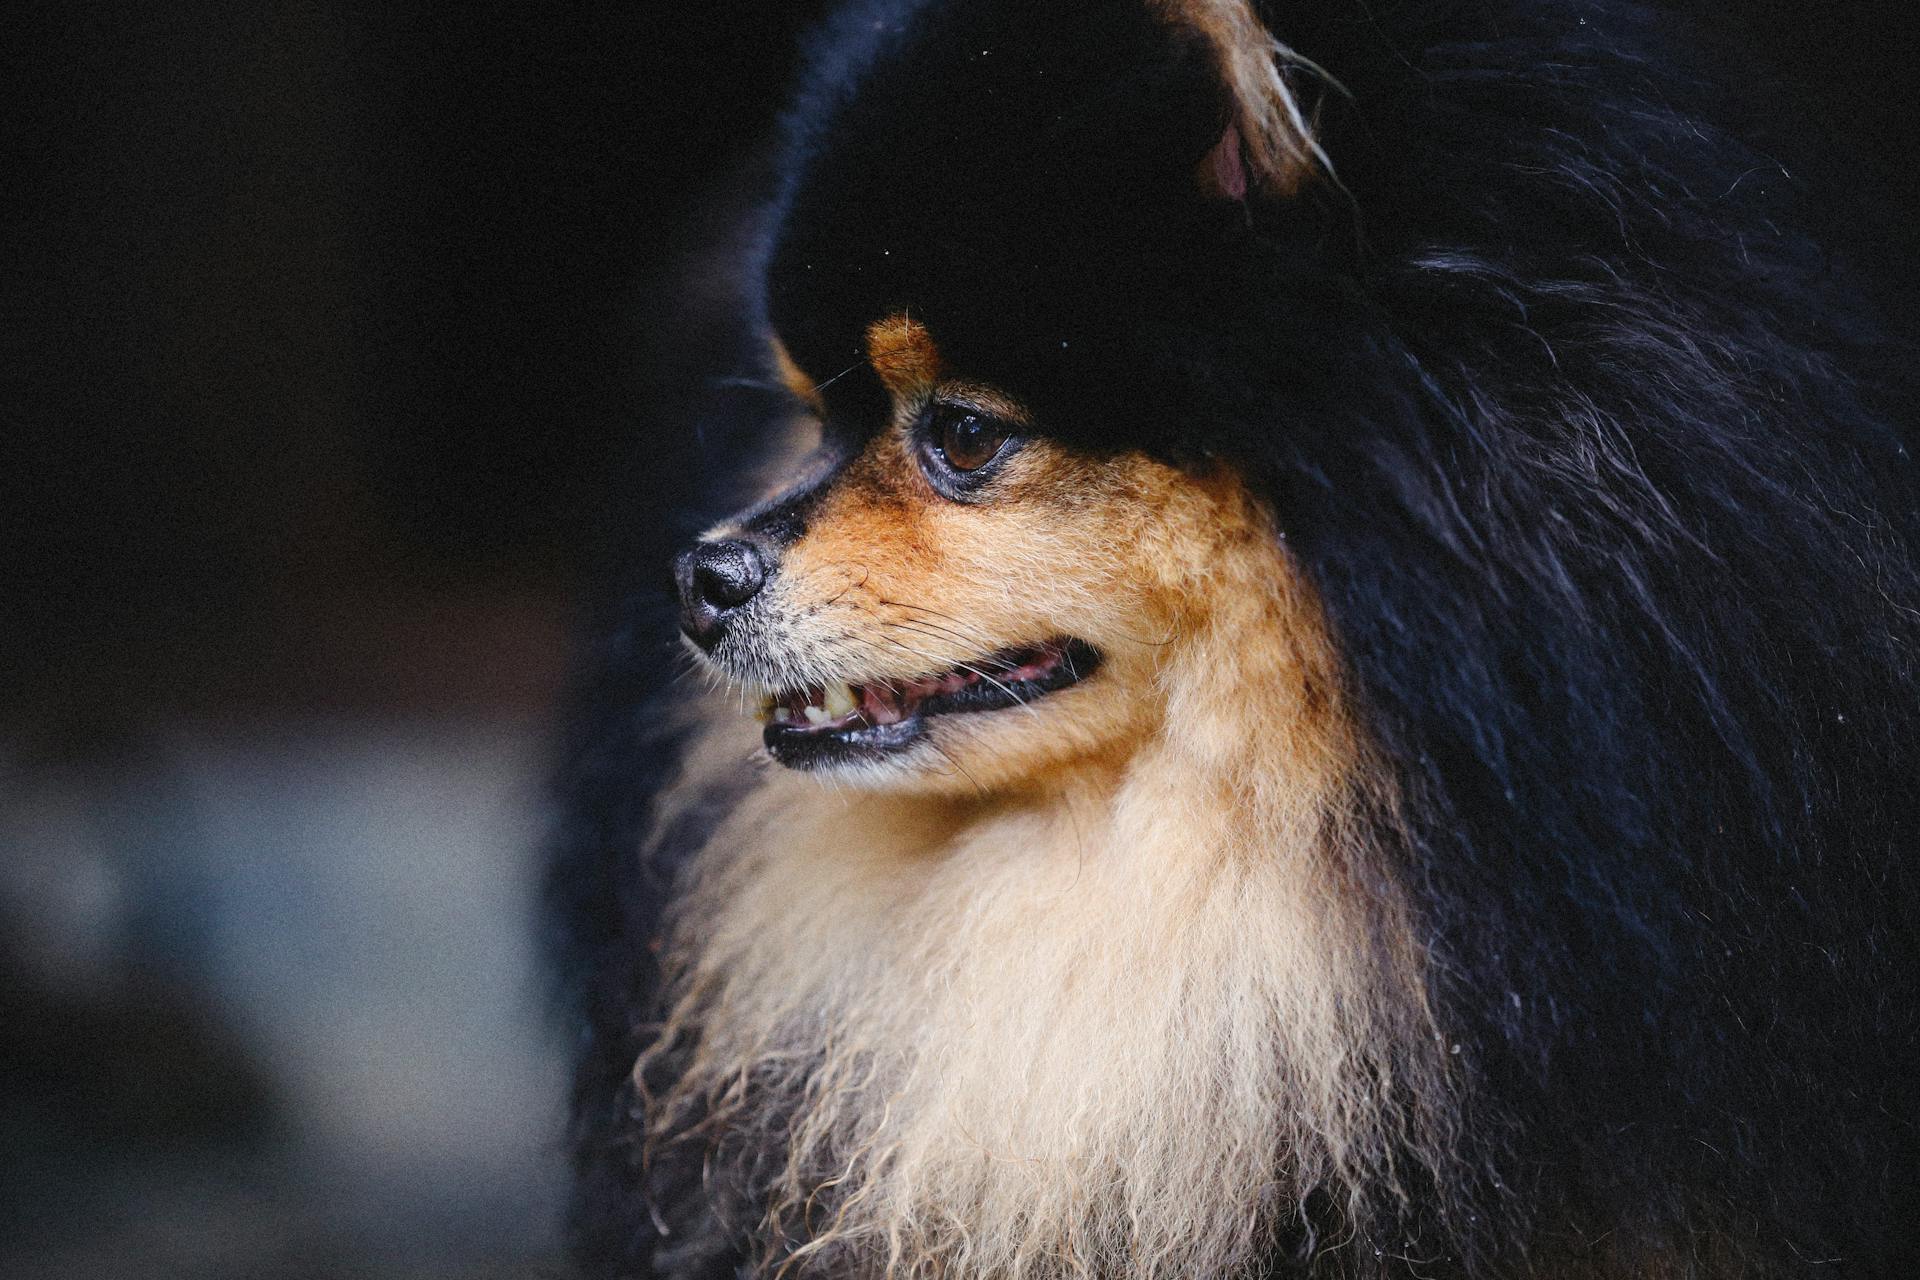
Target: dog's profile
<point>1337,684</point>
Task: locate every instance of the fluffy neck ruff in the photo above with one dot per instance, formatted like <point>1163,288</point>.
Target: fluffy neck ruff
<point>1118,1027</point>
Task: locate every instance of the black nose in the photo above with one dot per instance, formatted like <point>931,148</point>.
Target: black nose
<point>716,578</point>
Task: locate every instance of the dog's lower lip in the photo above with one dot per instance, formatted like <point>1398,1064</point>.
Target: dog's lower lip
<point>816,748</point>
<point>887,721</point>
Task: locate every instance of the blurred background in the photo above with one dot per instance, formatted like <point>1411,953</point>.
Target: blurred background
<point>343,351</point>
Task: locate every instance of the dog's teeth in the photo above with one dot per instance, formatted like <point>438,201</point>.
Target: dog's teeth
<point>782,715</point>
<point>767,710</point>
<point>816,716</point>
<point>839,699</point>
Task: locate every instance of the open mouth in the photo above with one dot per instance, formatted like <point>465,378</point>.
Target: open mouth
<point>843,723</point>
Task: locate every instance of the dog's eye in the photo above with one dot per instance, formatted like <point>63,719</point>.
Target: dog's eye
<point>968,441</point>
<point>960,448</point>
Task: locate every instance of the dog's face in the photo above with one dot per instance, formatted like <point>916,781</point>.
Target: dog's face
<point>955,600</point>
<point>953,597</point>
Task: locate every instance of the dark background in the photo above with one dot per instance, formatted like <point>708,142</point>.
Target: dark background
<point>338,346</point>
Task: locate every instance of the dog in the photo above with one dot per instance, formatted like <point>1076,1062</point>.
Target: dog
<point>1334,639</point>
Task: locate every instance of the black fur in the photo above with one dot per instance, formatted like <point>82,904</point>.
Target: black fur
<point>1603,468</point>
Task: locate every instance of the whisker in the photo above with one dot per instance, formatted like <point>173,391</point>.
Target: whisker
<point>822,386</point>
<point>998,663</point>
<point>964,772</point>
<point>936,632</point>
<point>1171,636</point>
<point>921,608</point>
<point>865,573</point>
<point>1018,700</point>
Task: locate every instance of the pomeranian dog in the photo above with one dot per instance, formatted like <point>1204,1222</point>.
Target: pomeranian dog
<point>1335,639</point>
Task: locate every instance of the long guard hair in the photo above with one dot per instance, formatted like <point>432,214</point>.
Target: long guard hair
<point>1558,401</point>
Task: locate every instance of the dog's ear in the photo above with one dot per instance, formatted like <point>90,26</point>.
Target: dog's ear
<point>1223,174</point>
<point>1267,147</point>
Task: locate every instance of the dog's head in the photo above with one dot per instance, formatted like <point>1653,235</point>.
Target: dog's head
<point>957,596</point>
<point>981,284</point>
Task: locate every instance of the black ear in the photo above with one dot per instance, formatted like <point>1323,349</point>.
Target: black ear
<point>1268,147</point>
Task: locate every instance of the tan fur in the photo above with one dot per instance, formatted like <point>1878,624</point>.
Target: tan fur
<point>795,379</point>
<point>1097,988</point>
<point>1273,129</point>
<point>902,352</point>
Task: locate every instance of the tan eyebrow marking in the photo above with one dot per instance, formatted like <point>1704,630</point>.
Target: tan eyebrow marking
<point>902,352</point>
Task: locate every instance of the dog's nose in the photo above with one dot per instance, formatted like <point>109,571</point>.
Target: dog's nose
<point>716,578</point>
